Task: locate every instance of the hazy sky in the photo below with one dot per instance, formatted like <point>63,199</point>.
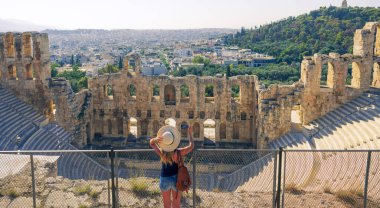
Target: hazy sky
<point>161,14</point>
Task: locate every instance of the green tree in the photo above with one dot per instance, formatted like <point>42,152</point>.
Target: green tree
<point>109,68</point>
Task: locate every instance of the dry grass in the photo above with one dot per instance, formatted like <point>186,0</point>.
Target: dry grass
<point>11,193</point>
<point>141,188</point>
<point>293,189</point>
<point>327,190</point>
<point>351,197</point>
<point>82,190</point>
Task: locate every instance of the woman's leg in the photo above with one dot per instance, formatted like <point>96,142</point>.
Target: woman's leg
<point>176,196</point>
<point>166,198</point>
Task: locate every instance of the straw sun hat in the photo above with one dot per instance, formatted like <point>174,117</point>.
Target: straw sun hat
<point>170,138</point>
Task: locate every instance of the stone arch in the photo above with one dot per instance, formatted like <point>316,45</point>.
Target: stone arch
<point>144,127</point>
<point>236,131</point>
<point>155,93</point>
<point>132,91</point>
<point>222,131</point>
<point>196,130</point>
<point>376,74</point>
<point>296,118</point>
<point>331,79</point>
<point>243,116</point>
<point>133,126</point>
<point>29,72</point>
<point>132,63</point>
<point>120,129</point>
<point>324,74</point>
<point>184,131</point>
<point>235,93</point>
<point>109,91</point>
<point>209,93</point>
<point>356,75</point>
<point>156,127</point>
<point>109,126</point>
<point>169,93</point>
<point>12,72</point>
<point>209,129</point>
<point>185,94</point>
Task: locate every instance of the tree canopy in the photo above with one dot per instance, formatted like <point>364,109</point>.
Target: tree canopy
<point>329,29</point>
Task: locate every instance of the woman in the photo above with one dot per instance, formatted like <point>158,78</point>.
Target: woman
<point>166,146</point>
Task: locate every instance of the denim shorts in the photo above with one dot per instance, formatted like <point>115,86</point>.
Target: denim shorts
<point>167,183</point>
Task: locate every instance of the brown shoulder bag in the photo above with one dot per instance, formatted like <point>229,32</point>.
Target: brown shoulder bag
<point>183,178</point>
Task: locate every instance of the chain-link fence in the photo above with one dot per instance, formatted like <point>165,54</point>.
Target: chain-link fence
<point>220,178</point>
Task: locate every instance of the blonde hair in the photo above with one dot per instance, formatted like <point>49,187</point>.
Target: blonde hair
<point>166,157</point>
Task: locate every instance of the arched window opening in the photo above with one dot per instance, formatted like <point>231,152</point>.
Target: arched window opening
<point>209,93</point>
<point>12,72</point>
<point>243,116</point>
<point>349,75</point>
<point>222,131</point>
<point>191,114</point>
<point>170,122</point>
<point>88,133</point>
<point>296,118</point>
<point>356,75</point>
<point>156,127</point>
<point>144,128</point>
<point>324,75</point>
<point>109,91</point>
<point>184,131</point>
<point>209,129</point>
<point>196,130</point>
<point>109,125</point>
<point>236,131</point>
<point>120,129</point>
<point>29,72</point>
<point>133,126</point>
<point>132,91</point>
<point>156,93</point>
<point>185,94</point>
<point>169,92</point>
<point>330,75</point>
<point>235,93</point>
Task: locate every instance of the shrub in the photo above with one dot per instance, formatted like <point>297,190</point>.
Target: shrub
<point>94,194</point>
<point>292,188</point>
<point>327,190</point>
<point>141,188</point>
<point>351,197</point>
<point>82,190</point>
<point>11,193</point>
<point>82,206</point>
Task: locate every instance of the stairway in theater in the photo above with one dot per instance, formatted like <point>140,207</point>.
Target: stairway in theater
<point>23,128</point>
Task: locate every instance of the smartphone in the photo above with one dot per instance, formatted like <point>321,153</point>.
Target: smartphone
<point>184,126</point>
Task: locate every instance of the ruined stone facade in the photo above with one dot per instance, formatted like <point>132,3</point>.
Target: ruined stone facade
<point>258,116</point>
<point>25,68</point>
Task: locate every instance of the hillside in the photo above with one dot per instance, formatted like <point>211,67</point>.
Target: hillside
<point>321,31</point>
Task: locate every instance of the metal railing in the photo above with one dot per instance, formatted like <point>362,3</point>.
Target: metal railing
<point>220,178</point>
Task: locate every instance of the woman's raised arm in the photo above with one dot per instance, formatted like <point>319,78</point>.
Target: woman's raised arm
<point>153,143</point>
<point>186,150</point>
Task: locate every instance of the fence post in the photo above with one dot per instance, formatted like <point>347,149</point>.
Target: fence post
<point>33,181</point>
<point>194,177</point>
<point>274,179</point>
<point>366,178</point>
<point>279,178</point>
<point>283,181</point>
<point>112,156</point>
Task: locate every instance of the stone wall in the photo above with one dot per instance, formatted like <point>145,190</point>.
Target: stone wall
<point>112,113</point>
<point>25,68</point>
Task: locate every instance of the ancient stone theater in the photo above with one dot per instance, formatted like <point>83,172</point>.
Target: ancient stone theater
<point>125,108</point>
